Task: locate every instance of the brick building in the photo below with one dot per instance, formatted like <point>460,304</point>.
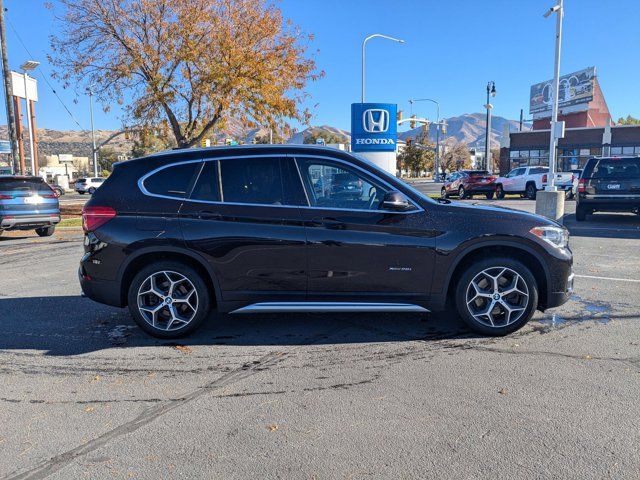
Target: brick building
<point>589,129</point>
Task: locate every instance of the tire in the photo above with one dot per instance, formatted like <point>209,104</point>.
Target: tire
<point>499,192</point>
<point>524,300</point>
<point>81,193</point>
<point>45,231</point>
<point>568,195</point>
<point>489,195</point>
<point>162,323</point>
<point>443,193</point>
<point>531,191</point>
<point>91,191</point>
<point>462,194</point>
<point>581,214</point>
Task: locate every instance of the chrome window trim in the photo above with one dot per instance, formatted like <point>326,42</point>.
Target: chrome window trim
<point>142,188</point>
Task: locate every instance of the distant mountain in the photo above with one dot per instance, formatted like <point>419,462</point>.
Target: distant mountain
<point>298,138</point>
<point>469,128</point>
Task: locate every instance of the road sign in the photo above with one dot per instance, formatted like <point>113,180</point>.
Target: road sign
<point>5,146</point>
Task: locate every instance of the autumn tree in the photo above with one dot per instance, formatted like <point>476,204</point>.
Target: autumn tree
<point>416,158</point>
<point>192,63</point>
<point>628,121</point>
<point>107,156</point>
<point>456,157</point>
<point>327,136</point>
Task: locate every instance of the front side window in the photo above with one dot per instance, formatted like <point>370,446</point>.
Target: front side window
<point>173,181</point>
<point>334,185</point>
<point>207,187</point>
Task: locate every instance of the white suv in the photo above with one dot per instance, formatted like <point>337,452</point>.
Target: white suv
<point>88,185</point>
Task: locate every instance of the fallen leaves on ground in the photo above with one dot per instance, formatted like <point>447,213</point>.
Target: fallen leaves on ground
<point>183,348</point>
<point>272,428</point>
<point>502,391</point>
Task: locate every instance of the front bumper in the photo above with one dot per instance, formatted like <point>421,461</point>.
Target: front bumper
<point>28,222</point>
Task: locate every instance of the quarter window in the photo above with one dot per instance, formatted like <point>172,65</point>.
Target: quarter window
<point>333,185</point>
<point>172,181</point>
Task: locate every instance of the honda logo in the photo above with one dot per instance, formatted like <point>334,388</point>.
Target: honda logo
<point>375,120</point>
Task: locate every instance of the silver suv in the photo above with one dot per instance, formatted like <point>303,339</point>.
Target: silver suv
<point>28,203</point>
<point>88,185</point>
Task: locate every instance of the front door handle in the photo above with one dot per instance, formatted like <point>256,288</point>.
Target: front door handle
<point>329,222</point>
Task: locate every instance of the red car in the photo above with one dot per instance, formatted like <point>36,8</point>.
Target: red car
<point>467,183</point>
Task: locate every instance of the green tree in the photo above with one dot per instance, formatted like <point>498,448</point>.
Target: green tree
<point>416,158</point>
<point>456,157</point>
<point>628,121</point>
<point>107,156</point>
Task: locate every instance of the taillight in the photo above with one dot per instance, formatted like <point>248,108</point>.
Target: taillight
<point>582,185</point>
<point>95,217</point>
<point>544,178</point>
<point>6,197</point>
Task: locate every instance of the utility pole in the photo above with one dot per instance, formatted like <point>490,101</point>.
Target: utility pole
<point>8,93</point>
<point>93,136</point>
<point>491,91</point>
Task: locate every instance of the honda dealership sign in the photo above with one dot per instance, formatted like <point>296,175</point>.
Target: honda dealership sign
<point>373,127</point>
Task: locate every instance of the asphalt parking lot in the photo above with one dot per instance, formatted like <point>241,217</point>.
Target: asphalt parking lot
<point>84,394</point>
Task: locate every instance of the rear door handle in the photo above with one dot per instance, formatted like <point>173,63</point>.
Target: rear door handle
<point>208,215</point>
<point>329,222</point>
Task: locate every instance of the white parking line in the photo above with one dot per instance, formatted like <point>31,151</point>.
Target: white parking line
<point>633,280</point>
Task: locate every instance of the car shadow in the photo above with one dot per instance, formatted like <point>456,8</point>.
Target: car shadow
<point>73,325</point>
<point>604,225</point>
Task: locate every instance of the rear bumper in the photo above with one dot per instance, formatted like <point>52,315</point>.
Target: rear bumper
<point>28,222</point>
<point>611,204</point>
<point>481,189</point>
<point>101,291</point>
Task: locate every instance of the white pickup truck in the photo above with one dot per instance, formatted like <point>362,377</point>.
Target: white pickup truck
<point>528,180</point>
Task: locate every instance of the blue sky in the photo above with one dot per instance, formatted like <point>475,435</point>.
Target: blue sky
<point>452,49</point>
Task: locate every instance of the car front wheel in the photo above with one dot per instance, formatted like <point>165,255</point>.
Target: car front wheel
<point>443,193</point>
<point>168,299</point>
<point>496,296</point>
<point>499,192</point>
<point>92,191</point>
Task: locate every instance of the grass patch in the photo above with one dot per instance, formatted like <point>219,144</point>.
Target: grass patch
<point>71,222</point>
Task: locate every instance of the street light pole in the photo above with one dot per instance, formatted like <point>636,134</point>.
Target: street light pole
<point>491,91</point>
<point>93,136</point>
<point>558,9</point>
<point>364,44</point>
<point>437,162</point>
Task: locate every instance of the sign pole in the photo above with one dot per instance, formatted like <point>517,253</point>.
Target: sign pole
<point>8,93</point>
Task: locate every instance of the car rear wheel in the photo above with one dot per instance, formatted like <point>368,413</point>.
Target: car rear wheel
<point>92,191</point>
<point>489,195</point>
<point>531,191</point>
<point>499,192</point>
<point>45,231</point>
<point>496,296</point>
<point>168,299</point>
<point>443,193</point>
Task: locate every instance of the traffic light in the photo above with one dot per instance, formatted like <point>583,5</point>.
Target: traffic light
<point>443,128</point>
<point>205,142</point>
<point>412,123</point>
<point>399,116</point>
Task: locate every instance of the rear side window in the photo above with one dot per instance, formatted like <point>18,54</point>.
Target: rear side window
<point>616,168</point>
<point>262,181</point>
<point>535,171</point>
<point>17,185</point>
<point>173,181</point>
<point>207,186</point>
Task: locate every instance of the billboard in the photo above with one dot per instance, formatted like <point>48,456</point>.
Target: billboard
<point>373,127</point>
<point>575,89</point>
<point>17,84</point>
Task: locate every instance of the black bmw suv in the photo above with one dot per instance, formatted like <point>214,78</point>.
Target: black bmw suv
<point>179,234</point>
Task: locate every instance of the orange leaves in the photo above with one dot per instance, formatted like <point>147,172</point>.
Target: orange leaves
<point>192,63</point>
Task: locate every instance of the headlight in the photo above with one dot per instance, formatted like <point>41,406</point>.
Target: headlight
<point>556,236</point>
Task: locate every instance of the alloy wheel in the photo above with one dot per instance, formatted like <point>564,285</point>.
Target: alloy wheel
<point>167,300</point>
<point>497,297</point>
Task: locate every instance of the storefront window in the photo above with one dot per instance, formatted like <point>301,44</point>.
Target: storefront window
<point>627,150</point>
<point>616,150</point>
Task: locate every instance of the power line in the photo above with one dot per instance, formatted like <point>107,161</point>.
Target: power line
<point>44,77</point>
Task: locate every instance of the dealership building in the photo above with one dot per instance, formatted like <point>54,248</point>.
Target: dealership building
<point>589,127</point>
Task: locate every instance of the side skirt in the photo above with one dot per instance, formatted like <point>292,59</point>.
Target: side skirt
<point>267,307</point>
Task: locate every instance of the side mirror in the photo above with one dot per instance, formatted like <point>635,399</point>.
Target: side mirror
<point>396,201</point>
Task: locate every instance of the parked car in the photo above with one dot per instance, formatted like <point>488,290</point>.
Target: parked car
<point>528,180</point>
<point>609,184</point>
<point>346,185</point>
<point>88,185</point>
<point>57,189</point>
<point>467,183</point>
<point>179,234</point>
<point>28,203</point>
